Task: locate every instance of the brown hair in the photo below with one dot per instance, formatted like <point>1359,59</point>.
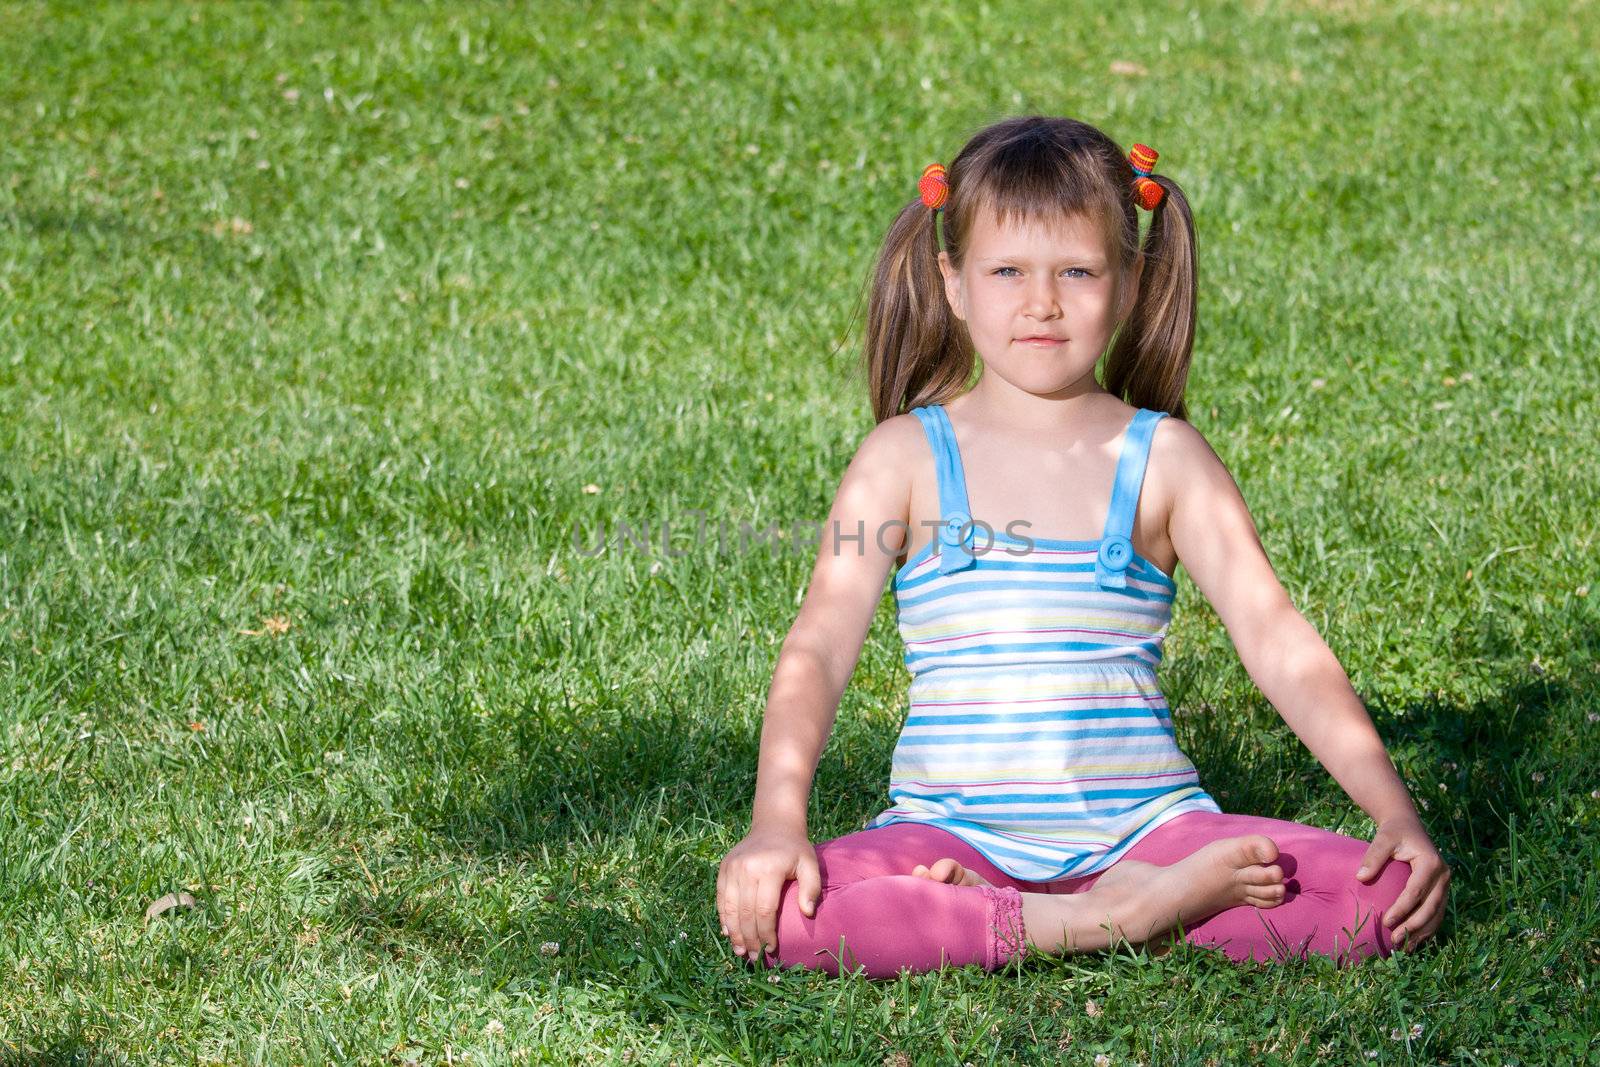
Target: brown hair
<point>1037,169</point>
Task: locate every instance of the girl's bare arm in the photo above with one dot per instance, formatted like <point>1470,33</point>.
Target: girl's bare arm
<point>821,649</point>
<point>856,547</point>
<point>1216,540</point>
<point>1291,664</point>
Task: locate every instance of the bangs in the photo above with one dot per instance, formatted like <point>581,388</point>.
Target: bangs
<point>1032,185</point>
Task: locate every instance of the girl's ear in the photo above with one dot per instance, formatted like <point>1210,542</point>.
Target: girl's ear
<point>952,286</point>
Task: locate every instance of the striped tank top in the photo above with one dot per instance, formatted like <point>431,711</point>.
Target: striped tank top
<point>1037,732</point>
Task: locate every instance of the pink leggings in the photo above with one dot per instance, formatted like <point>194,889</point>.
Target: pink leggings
<point>889,919</point>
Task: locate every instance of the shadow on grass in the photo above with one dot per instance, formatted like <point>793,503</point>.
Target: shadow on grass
<point>47,221</point>
<point>559,779</point>
<point>648,778</point>
<point>214,246</point>
<point>566,772</point>
<point>54,1050</point>
<point>1483,752</point>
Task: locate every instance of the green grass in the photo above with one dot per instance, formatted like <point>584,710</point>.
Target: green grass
<point>485,257</point>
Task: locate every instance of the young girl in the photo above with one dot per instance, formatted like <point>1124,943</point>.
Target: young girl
<point>1038,797</point>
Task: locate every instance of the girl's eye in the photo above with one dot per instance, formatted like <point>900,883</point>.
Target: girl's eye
<point>1080,270</point>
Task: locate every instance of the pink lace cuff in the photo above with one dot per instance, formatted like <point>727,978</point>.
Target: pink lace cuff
<point>1006,935</point>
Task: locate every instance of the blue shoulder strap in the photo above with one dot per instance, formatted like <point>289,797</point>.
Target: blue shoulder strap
<point>955,535</point>
<point>1116,545</point>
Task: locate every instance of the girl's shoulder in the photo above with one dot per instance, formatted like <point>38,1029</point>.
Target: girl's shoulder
<point>895,440</point>
<point>888,453</point>
<point>1176,442</point>
<point>1180,459</point>
<point>1173,442</point>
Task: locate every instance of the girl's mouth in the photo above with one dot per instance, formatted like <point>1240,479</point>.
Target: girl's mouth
<point>1042,342</point>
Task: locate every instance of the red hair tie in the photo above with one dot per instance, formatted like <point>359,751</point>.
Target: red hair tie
<point>933,187</point>
<point>1146,192</point>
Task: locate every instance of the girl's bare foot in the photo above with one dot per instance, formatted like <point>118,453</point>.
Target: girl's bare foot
<point>1145,900</point>
<point>948,870</point>
<point>1223,874</point>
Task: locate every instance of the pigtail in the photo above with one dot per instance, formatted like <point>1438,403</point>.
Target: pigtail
<point>1148,365</point>
<point>917,352</point>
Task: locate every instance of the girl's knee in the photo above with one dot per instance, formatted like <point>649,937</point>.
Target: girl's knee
<point>1369,935</point>
<point>1328,867</point>
<point>881,925</point>
<point>1381,895</point>
<point>1389,884</point>
<point>800,936</point>
<point>1348,911</point>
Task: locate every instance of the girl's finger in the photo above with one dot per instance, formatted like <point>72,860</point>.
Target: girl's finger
<point>1426,919</point>
<point>728,901</point>
<point>1372,861</point>
<point>1410,931</point>
<point>768,899</point>
<point>731,916</point>
<point>1418,884</point>
<point>747,917</point>
<point>724,907</point>
<point>722,914</point>
<point>809,891</point>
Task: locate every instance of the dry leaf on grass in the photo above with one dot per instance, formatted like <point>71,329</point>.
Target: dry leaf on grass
<point>236,226</point>
<point>162,905</point>
<point>275,624</point>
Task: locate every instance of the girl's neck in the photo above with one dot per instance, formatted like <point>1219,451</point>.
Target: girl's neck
<point>995,401</point>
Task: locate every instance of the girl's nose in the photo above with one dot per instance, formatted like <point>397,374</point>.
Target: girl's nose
<point>1041,301</point>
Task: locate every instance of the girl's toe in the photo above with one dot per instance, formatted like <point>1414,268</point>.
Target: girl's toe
<point>1265,876</point>
<point>1263,848</point>
<point>1266,896</point>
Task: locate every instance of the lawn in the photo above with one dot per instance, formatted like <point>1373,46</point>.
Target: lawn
<point>330,336</point>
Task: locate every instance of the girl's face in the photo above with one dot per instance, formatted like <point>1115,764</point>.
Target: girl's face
<point>1037,301</point>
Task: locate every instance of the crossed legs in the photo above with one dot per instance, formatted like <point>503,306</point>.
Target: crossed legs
<point>918,897</point>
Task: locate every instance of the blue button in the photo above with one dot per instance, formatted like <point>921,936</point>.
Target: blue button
<point>1116,552</point>
<point>956,529</point>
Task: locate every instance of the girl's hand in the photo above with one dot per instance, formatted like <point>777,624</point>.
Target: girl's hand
<point>1420,908</point>
<point>750,883</point>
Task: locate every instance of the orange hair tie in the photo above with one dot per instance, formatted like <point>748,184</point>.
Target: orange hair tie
<point>1147,193</point>
<point>932,185</point>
